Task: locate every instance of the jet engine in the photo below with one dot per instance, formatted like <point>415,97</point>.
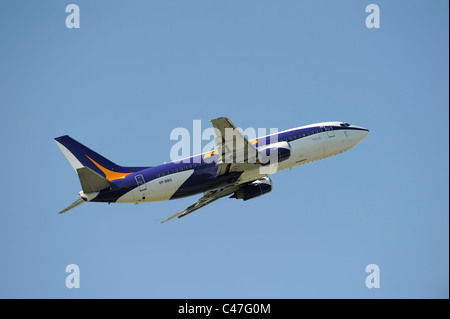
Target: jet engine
<point>254,189</point>
<point>280,151</point>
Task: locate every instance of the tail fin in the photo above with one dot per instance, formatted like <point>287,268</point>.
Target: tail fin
<point>80,157</point>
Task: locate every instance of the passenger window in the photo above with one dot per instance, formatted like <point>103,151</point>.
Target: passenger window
<point>303,135</point>
<point>185,167</point>
<point>190,166</point>
<point>290,138</point>
<point>181,168</point>
<point>171,171</point>
<point>162,174</point>
<point>317,131</point>
<point>157,175</point>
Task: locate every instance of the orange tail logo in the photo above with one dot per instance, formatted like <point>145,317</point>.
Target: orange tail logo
<point>110,175</point>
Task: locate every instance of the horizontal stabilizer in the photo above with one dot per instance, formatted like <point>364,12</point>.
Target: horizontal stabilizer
<point>75,204</point>
<point>92,181</point>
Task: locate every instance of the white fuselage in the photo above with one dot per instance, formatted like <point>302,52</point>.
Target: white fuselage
<point>314,147</point>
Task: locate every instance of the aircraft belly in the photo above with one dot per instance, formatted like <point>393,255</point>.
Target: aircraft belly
<point>127,197</point>
<point>163,188</point>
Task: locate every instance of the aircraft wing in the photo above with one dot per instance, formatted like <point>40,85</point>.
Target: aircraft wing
<point>234,148</point>
<point>207,198</point>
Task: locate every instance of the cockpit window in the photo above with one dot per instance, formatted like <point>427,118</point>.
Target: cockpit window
<point>345,124</point>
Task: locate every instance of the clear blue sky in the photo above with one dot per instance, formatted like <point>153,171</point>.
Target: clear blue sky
<point>136,70</point>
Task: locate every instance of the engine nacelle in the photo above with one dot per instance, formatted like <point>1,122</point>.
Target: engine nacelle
<point>254,189</point>
<point>280,151</point>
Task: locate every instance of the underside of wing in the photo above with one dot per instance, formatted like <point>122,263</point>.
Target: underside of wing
<point>206,199</point>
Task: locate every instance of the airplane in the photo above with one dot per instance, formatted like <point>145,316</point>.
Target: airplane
<point>235,168</point>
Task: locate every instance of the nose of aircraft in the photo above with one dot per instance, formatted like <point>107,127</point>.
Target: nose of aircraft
<point>359,134</point>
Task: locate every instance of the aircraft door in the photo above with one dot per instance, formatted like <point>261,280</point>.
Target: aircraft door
<point>330,131</point>
<point>141,182</point>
